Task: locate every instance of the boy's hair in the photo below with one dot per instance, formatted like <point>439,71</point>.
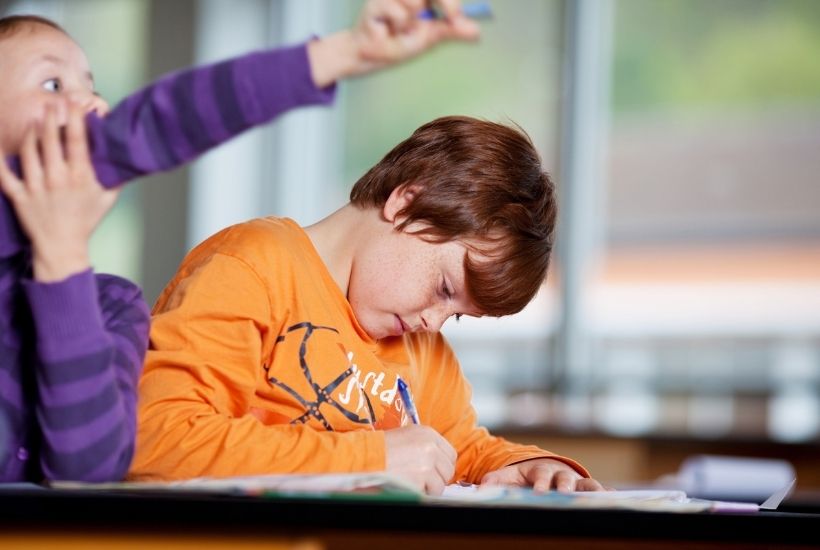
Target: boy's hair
<point>14,23</point>
<point>481,183</point>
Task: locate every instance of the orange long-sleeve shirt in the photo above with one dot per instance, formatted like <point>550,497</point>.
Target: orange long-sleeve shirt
<point>258,365</point>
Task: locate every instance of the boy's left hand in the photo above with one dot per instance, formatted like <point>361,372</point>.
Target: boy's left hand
<point>542,474</point>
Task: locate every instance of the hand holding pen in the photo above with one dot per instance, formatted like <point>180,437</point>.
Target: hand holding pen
<point>419,453</point>
<point>391,31</point>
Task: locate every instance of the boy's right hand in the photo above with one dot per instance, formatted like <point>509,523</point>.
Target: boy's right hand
<point>421,455</point>
<point>59,201</point>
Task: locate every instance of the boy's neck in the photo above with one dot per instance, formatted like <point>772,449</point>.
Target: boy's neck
<point>339,236</point>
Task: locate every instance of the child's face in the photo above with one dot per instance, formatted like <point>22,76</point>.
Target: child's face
<point>403,283</point>
<point>40,65</point>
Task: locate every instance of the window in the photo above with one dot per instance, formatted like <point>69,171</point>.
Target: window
<point>513,74</point>
<point>704,312</point>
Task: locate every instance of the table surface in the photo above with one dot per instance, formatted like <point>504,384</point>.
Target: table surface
<point>158,511</point>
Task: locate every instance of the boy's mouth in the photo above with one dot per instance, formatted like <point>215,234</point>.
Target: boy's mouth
<point>400,327</point>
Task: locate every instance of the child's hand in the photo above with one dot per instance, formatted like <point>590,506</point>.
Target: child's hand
<point>542,474</point>
<point>59,202</point>
<point>388,31</point>
<point>421,455</point>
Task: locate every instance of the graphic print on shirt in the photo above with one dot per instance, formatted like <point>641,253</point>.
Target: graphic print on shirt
<point>344,393</point>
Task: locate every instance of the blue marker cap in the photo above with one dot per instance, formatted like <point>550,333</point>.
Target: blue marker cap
<point>473,10</point>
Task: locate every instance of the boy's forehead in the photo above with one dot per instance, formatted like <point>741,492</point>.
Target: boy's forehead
<point>26,30</point>
<point>34,36</point>
<point>39,43</point>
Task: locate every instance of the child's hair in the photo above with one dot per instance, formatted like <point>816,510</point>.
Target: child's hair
<point>14,23</point>
<point>482,183</point>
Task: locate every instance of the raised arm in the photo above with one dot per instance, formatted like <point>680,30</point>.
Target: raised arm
<point>186,113</point>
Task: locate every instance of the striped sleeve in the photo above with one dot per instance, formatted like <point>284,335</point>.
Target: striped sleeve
<point>92,333</point>
<point>186,113</point>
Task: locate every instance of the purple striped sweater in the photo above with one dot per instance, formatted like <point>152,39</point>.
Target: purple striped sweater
<point>71,351</point>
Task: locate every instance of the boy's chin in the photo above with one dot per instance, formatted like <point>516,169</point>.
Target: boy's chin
<point>378,335</point>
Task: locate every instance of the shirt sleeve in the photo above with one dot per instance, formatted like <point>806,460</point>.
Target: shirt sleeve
<point>445,399</point>
<point>209,337</point>
<point>92,333</point>
<point>186,113</point>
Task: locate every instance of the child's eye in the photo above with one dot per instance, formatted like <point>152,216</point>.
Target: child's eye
<point>446,290</point>
<point>53,85</point>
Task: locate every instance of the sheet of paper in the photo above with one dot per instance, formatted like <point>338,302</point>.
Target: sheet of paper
<point>459,490</point>
<point>642,500</point>
<point>381,484</point>
<point>256,485</point>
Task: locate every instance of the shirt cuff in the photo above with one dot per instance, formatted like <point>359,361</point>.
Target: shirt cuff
<point>278,80</point>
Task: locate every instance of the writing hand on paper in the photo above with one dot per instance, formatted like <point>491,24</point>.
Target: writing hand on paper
<point>542,474</point>
<point>420,455</point>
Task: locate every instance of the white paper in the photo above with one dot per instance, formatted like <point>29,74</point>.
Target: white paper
<point>745,478</point>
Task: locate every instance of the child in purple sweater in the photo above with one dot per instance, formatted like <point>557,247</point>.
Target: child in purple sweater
<point>72,342</point>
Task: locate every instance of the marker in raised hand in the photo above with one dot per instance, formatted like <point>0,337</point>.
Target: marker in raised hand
<point>474,10</point>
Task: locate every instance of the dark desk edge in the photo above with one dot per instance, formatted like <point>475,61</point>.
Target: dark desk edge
<point>154,511</point>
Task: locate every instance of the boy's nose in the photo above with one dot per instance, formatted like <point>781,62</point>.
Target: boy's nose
<point>433,319</point>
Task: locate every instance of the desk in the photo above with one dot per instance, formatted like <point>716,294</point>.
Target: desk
<point>369,525</point>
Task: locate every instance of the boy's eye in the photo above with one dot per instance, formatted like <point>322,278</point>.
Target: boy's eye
<point>53,85</point>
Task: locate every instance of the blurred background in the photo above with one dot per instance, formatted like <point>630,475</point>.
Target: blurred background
<point>683,307</point>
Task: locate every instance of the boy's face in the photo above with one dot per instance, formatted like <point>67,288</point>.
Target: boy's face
<point>402,283</point>
<point>40,65</point>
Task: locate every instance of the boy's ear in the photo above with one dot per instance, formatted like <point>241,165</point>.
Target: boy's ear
<point>400,198</point>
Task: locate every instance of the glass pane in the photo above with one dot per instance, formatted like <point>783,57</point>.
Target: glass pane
<point>706,309</point>
<point>513,74</point>
<point>113,35</point>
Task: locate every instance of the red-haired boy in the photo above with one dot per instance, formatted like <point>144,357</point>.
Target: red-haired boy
<point>277,349</point>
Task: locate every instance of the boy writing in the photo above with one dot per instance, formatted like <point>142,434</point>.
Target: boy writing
<point>277,349</point>
<point>72,342</point>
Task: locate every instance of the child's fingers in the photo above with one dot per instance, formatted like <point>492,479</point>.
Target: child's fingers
<point>77,144</point>
<point>9,182</point>
<point>395,13</point>
<point>30,161</point>
<point>53,159</point>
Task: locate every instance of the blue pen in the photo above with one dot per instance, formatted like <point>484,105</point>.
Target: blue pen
<point>473,10</point>
<point>407,399</point>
